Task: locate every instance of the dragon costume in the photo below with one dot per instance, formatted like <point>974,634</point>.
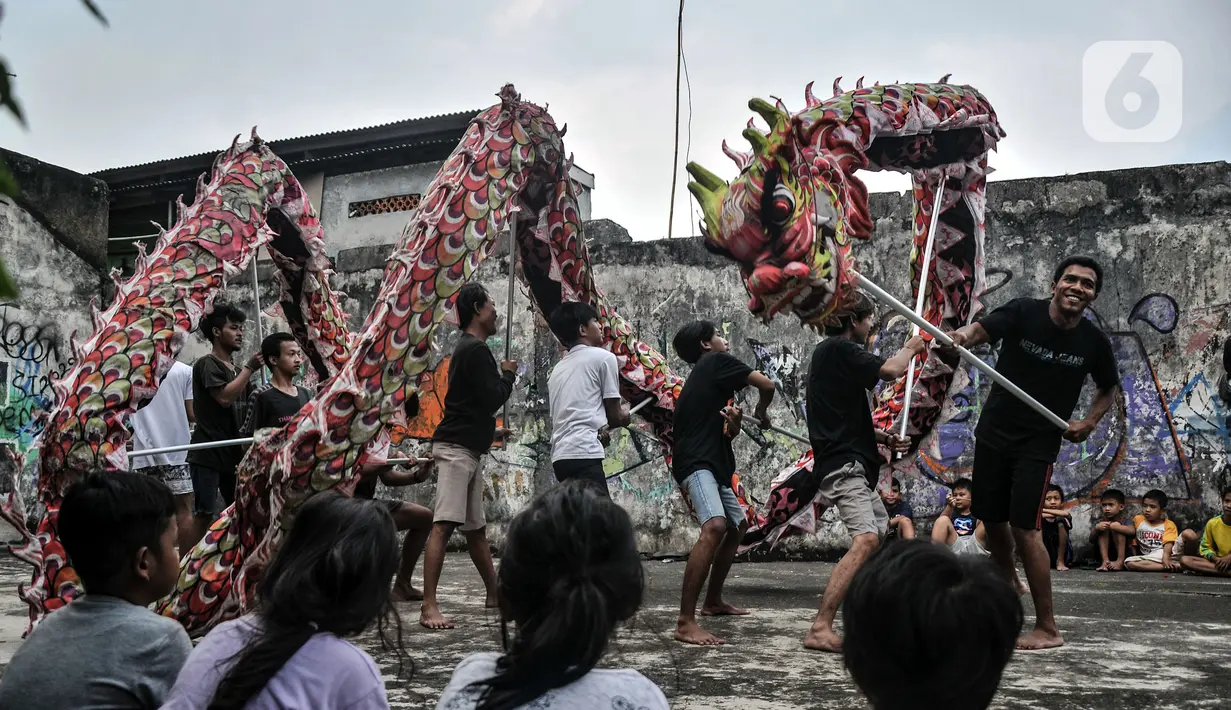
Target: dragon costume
<point>791,217</point>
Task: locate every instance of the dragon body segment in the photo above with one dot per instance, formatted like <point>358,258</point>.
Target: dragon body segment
<point>789,220</point>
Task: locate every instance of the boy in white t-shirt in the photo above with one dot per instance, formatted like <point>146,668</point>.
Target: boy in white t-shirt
<point>1156,537</point>
<point>584,393</point>
<point>163,421</point>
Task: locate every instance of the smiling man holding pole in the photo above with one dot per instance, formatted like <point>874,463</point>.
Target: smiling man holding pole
<point>1049,348</point>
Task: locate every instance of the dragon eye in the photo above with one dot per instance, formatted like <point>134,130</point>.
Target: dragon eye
<point>781,206</point>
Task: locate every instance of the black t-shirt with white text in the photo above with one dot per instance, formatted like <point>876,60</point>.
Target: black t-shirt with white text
<point>271,407</point>
<point>839,412</point>
<point>1050,364</point>
<point>700,443</point>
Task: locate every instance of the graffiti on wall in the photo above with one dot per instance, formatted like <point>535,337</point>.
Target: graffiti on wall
<point>29,361</point>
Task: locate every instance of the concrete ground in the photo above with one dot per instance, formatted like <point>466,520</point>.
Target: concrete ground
<point>1134,641</point>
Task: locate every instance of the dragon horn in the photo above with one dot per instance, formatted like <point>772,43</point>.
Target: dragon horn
<point>775,117</point>
<point>859,84</point>
<point>944,79</point>
<point>760,144</point>
<point>708,189</point>
<point>837,88</point>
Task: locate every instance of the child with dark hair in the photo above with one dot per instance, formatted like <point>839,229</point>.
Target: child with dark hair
<point>329,581</point>
<point>275,404</point>
<point>1113,533</point>
<point>219,391</point>
<point>583,390</point>
<point>956,527</point>
<point>703,465</point>
<point>1056,524</point>
<point>901,516</point>
<point>1156,536</point>
<point>105,648</point>
<point>569,574</point>
<point>1214,544</point>
<point>477,389</point>
<point>912,596</point>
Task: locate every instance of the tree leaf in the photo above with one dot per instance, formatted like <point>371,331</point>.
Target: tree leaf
<point>8,185</point>
<point>7,99</point>
<point>89,5</point>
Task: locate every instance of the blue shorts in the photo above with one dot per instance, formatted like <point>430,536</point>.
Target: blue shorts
<point>710,500</point>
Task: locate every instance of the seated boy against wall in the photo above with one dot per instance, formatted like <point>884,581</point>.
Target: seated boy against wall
<point>1156,536</point>
<point>105,649</point>
<point>901,517</point>
<point>1055,524</point>
<point>956,527</point>
<point>1113,533</point>
<point>1214,546</point>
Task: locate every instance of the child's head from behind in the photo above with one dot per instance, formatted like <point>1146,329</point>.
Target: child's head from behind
<point>961,494</point>
<point>569,573</point>
<point>1112,503</point>
<point>119,531</point>
<point>332,573</point>
<point>281,353</point>
<point>908,596</point>
<point>573,322</point>
<point>1054,498</point>
<point>696,339</point>
<point>1154,505</point>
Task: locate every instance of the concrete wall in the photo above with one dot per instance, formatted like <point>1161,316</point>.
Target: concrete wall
<point>52,239</point>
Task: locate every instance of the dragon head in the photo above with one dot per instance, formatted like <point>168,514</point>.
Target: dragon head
<point>788,218</point>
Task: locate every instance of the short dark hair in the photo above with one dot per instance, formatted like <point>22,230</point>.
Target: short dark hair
<point>1226,491</point>
<point>1113,494</point>
<point>894,482</point>
<point>271,346</point>
<point>906,597</point>
<point>1157,496</point>
<point>221,314</point>
<point>106,518</point>
<point>470,299</point>
<point>687,340</point>
<point>568,318</point>
<point>859,307</point>
<point>1083,261</point>
<point>963,484</point>
<point>1053,487</point>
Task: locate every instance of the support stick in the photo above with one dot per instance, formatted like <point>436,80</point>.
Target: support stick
<point>780,430</point>
<point>256,301</point>
<point>637,408</point>
<point>966,355</point>
<point>401,461</point>
<point>508,324</point>
<point>937,198</point>
<point>191,447</point>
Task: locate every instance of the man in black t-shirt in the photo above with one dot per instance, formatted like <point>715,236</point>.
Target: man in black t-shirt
<point>703,464</point>
<point>218,392</point>
<point>846,460</point>
<point>275,404</point>
<point>477,389</point>
<point>1048,349</point>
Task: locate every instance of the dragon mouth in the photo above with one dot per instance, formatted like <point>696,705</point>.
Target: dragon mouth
<point>810,298</point>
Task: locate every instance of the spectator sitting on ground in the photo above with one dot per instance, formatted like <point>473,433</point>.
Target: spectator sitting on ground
<point>105,648</point>
<point>956,527</point>
<point>329,580</point>
<point>905,600</point>
<point>1156,536</point>
<point>569,574</point>
<point>901,517</point>
<point>1056,523</point>
<point>1113,533</point>
<point>1214,548</point>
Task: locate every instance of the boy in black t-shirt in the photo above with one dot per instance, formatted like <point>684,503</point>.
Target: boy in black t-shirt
<point>275,404</point>
<point>703,465</point>
<point>1049,348</point>
<point>844,446</point>
<point>218,392</point>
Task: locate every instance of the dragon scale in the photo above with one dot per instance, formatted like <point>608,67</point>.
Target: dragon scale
<point>789,220</point>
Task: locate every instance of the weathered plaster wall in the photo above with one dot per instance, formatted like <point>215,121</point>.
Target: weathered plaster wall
<point>56,285</point>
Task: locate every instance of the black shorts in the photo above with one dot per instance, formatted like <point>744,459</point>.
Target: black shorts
<point>587,469</point>
<point>1008,488</point>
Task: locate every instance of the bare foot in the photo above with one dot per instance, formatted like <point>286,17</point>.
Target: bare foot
<point>1103,567</point>
<point>823,640</point>
<point>687,631</point>
<point>1038,640</point>
<point>491,602</point>
<point>722,609</point>
<point>431,618</point>
<point>1116,567</point>
<point>1020,586</point>
<point>405,592</point>
<point>1061,568</point>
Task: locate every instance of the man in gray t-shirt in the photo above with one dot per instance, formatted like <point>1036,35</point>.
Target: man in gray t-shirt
<point>584,392</point>
<point>106,649</point>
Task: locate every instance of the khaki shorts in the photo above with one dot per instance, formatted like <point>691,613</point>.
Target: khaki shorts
<point>859,507</point>
<point>459,488</point>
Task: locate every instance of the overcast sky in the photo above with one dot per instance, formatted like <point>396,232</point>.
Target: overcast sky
<point>173,78</point>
